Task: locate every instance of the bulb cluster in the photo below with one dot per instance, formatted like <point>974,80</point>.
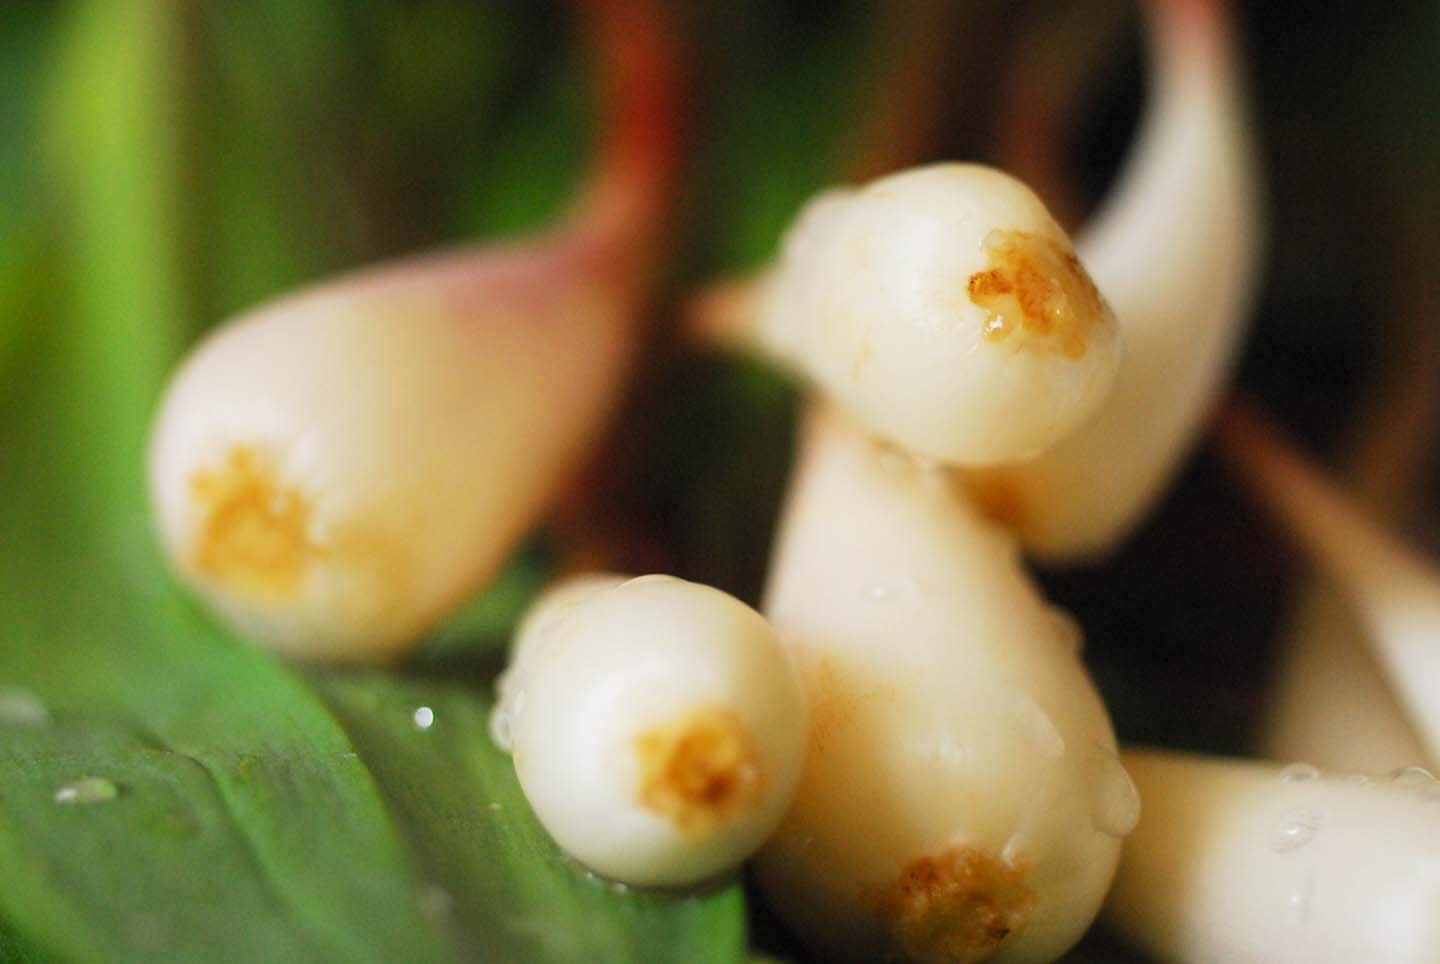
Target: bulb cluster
<point>947,775</point>
<point>903,737</point>
<point>909,679</point>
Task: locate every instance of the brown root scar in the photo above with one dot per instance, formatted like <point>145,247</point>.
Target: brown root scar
<point>1037,295</point>
<point>700,770</point>
<point>957,907</point>
<point>253,533</point>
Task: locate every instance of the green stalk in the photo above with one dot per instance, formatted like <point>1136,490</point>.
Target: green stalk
<point>117,148</point>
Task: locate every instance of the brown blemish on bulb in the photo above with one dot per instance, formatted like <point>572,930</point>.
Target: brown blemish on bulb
<point>957,907</point>
<point>253,533</point>
<point>1037,294</point>
<point>700,770</point>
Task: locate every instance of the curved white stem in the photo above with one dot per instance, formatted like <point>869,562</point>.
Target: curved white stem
<point>1331,705</point>
<point>1395,592</point>
<point>1175,252</point>
<point>1252,863</point>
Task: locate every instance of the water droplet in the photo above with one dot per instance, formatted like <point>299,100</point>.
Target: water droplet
<point>1037,727</point>
<point>424,717</point>
<point>1360,780</point>
<point>495,808</point>
<point>436,902</point>
<point>1114,801</point>
<point>1295,829</point>
<point>87,790</point>
<point>618,888</point>
<point>1300,900</point>
<point>500,728</point>
<point>1300,773</point>
<point>1411,777</point>
<point>20,707</point>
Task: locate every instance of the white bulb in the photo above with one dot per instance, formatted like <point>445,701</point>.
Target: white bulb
<point>961,796</point>
<point>656,726</point>
<point>945,309</point>
<point>1243,861</point>
<point>336,471</point>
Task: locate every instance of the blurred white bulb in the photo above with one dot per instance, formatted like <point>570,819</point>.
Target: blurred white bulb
<point>336,471</point>
<point>656,726</point>
<point>946,310</point>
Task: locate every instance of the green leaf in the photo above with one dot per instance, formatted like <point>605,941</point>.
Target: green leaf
<point>493,876</point>
<point>251,820</point>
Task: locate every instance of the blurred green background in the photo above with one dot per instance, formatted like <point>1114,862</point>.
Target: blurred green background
<point>164,164</point>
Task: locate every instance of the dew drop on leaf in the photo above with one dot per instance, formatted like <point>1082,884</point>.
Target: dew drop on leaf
<point>87,790</point>
<point>20,707</point>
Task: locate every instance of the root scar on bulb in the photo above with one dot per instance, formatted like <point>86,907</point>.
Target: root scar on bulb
<point>1037,294</point>
<point>699,770</point>
<point>957,907</point>
<point>253,532</point>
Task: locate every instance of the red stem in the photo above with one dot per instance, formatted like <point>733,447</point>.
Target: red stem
<point>634,173</point>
